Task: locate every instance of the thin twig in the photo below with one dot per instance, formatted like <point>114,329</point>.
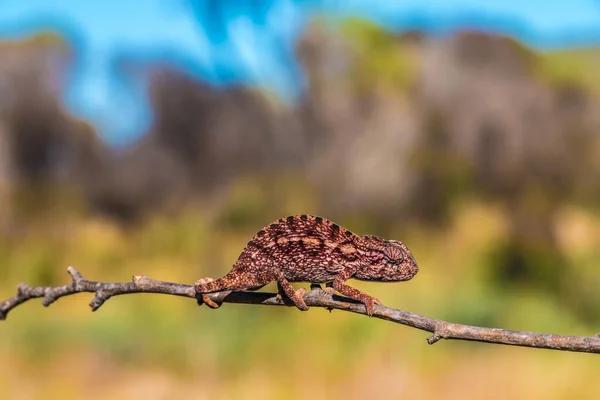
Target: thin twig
<point>315,298</point>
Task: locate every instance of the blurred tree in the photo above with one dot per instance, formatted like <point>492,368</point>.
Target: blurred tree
<point>524,143</point>
<point>49,152</point>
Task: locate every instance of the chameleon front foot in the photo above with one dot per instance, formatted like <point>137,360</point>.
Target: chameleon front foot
<point>370,303</point>
<point>329,290</point>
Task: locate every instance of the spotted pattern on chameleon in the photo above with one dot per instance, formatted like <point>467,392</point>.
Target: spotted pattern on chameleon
<point>306,248</point>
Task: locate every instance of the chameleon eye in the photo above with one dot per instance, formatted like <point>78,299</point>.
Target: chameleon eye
<point>394,254</point>
<point>397,260</point>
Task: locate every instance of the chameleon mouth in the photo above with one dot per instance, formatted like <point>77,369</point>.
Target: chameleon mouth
<point>413,263</point>
<point>413,259</point>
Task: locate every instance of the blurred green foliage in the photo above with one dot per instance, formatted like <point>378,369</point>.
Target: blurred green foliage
<point>571,67</point>
<point>380,60</point>
<point>212,350</point>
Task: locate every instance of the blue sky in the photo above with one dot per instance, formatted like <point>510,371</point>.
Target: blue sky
<point>250,46</point>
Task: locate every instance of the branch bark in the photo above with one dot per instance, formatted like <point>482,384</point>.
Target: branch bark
<point>315,298</point>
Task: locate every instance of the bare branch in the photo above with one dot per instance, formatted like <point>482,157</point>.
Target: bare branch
<point>315,298</point>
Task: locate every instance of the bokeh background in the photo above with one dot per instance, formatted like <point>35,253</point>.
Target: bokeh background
<point>157,137</point>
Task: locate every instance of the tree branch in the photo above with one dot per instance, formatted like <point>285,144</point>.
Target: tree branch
<point>315,298</point>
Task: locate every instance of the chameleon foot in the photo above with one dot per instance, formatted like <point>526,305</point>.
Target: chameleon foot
<point>205,297</point>
<point>297,296</point>
<point>329,290</point>
<point>299,300</point>
<point>370,303</point>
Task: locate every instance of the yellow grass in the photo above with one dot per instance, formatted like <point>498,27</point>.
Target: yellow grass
<point>157,347</point>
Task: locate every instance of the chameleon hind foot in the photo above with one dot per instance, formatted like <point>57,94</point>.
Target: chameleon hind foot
<point>205,297</point>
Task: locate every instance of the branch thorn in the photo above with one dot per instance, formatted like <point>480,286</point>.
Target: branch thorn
<point>441,332</point>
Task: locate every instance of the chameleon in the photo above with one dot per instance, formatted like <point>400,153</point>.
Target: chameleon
<point>307,248</point>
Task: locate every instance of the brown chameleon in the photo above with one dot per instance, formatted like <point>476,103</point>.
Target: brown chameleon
<point>305,248</point>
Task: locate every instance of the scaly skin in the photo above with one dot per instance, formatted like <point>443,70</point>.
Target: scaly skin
<point>305,248</point>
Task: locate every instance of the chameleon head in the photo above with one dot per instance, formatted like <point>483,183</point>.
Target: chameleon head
<point>386,261</point>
